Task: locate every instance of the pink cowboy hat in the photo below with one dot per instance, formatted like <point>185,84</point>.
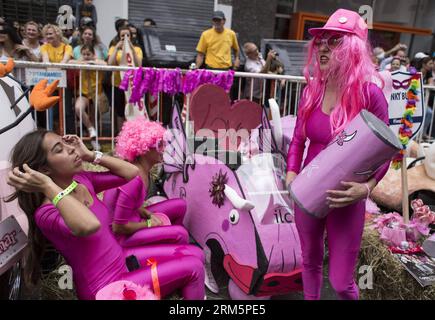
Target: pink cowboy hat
<point>344,20</point>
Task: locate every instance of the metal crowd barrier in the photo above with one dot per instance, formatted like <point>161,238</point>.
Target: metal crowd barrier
<point>287,89</point>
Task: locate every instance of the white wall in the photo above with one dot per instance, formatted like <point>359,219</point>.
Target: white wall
<point>108,12</point>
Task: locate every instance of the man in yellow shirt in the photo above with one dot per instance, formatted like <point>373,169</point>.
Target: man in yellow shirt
<point>215,45</point>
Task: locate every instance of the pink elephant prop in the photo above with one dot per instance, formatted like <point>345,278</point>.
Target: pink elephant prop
<point>241,212</point>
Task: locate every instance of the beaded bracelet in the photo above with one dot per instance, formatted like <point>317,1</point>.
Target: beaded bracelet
<point>64,193</point>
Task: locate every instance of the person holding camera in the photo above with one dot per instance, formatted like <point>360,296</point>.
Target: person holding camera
<point>115,57</point>
<point>399,51</point>
<point>256,64</point>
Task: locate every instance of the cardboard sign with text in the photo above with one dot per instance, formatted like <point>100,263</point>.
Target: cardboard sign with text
<point>13,240</point>
<point>33,76</point>
<point>396,108</point>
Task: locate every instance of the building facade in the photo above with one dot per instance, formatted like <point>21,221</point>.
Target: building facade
<point>407,21</point>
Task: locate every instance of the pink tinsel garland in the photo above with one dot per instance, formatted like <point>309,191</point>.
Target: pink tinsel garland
<point>135,90</point>
<point>172,82</point>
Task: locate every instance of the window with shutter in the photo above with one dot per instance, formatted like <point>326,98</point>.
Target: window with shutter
<point>44,11</point>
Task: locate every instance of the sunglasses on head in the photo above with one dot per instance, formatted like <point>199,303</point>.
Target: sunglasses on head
<point>331,42</point>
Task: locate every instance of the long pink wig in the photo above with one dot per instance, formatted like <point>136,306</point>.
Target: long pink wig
<point>137,137</point>
<point>351,69</point>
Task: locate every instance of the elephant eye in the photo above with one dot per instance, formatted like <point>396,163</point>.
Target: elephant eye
<point>234,216</point>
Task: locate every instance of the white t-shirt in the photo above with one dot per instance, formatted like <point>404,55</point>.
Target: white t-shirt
<point>253,66</point>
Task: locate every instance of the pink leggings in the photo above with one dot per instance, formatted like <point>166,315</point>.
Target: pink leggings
<point>176,233</point>
<point>126,201</point>
<point>344,229</point>
<point>178,267</point>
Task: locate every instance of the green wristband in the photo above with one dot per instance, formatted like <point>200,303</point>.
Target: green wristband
<point>149,223</point>
<point>64,193</point>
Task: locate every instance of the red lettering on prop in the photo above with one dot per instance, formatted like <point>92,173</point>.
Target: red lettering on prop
<point>8,241</point>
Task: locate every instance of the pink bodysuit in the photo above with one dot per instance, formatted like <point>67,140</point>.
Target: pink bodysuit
<point>344,226</point>
<point>99,259</point>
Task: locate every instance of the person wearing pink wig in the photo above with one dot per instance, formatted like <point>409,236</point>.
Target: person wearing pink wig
<point>340,79</point>
<point>141,143</point>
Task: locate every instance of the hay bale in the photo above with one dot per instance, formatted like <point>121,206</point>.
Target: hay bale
<point>50,289</point>
<point>391,281</point>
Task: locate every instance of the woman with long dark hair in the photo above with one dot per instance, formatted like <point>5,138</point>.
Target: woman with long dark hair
<point>115,56</point>
<point>11,46</point>
<point>32,39</point>
<point>61,203</point>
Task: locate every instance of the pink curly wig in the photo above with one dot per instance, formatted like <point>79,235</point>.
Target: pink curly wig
<point>351,68</point>
<point>137,137</point>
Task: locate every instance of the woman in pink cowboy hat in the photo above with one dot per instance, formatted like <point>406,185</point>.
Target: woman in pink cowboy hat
<point>340,76</point>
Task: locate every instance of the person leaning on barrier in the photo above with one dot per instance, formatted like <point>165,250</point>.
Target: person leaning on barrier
<point>31,40</point>
<point>58,51</point>
<point>215,46</point>
<point>11,47</point>
<point>399,50</point>
<point>89,90</point>
<point>256,64</point>
<point>136,37</point>
<point>115,56</point>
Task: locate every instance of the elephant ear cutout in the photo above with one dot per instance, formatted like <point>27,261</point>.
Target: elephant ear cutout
<point>6,68</point>
<point>41,97</point>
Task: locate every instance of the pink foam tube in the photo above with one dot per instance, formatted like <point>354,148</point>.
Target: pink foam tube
<point>354,155</point>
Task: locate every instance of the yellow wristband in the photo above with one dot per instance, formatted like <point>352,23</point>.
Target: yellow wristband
<point>64,193</point>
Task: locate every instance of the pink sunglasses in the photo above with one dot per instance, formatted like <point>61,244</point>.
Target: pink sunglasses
<point>330,42</point>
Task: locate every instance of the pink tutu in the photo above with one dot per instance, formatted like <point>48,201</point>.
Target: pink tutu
<point>125,290</point>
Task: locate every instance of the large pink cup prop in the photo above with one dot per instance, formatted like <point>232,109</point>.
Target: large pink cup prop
<point>354,155</point>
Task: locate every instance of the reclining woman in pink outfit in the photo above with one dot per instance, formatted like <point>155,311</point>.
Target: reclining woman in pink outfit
<point>61,203</point>
<point>141,143</point>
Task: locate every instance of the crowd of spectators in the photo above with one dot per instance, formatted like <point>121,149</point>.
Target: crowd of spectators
<point>217,48</point>
<point>396,59</point>
<point>76,43</point>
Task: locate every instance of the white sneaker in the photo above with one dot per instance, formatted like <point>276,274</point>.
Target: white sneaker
<point>92,132</point>
<point>209,280</point>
